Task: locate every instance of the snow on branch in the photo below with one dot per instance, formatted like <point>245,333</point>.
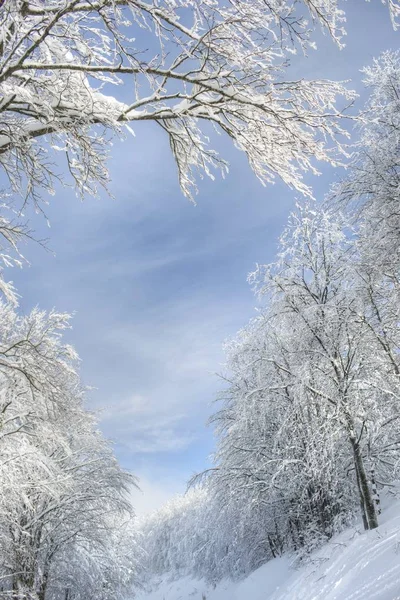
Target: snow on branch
<point>187,62</point>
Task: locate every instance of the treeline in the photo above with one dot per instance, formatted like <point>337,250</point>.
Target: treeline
<point>308,430</point>
<point>66,523</point>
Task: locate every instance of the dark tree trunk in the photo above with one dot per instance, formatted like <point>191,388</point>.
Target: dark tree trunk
<point>375,493</point>
<point>362,507</point>
<point>370,517</point>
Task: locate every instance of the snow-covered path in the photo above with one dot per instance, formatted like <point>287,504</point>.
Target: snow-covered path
<point>354,566</point>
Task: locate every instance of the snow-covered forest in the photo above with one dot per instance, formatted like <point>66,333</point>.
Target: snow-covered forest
<point>307,425</point>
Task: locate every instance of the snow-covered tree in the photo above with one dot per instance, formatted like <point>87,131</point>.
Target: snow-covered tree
<point>308,428</point>
<point>370,195</point>
<point>309,419</point>
<point>372,189</point>
<point>307,432</point>
<point>187,62</point>
<point>64,505</point>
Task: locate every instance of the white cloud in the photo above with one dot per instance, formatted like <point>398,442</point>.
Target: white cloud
<point>153,495</point>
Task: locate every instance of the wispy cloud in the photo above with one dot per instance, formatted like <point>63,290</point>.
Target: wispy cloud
<point>143,426</point>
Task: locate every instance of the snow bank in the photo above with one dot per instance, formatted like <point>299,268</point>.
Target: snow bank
<point>260,585</point>
<point>356,565</point>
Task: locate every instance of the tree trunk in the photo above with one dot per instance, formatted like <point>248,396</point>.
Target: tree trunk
<point>370,517</point>
<point>375,493</point>
<point>362,506</point>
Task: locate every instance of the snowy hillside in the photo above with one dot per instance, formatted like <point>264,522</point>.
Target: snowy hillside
<point>356,565</point>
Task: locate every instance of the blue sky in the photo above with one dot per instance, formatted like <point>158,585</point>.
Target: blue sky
<point>158,284</point>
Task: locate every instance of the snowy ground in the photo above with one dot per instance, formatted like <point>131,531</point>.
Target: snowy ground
<point>354,566</point>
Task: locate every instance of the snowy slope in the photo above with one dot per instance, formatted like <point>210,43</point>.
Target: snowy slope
<point>354,566</point>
